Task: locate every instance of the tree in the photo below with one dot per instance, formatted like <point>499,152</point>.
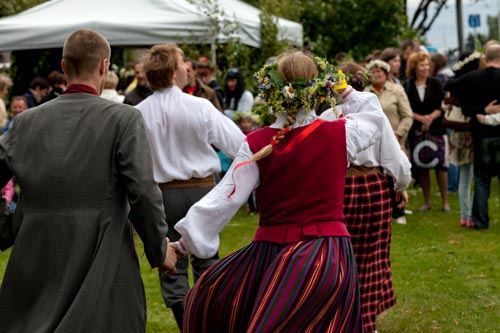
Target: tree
<point>358,27</point>
<point>11,7</point>
<point>422,18</point>
<point>493,27</point>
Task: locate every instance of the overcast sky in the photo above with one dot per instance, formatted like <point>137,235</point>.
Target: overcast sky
<point>443,34</point>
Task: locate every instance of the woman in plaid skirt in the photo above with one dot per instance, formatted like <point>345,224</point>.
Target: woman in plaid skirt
<point>299,272</point>
<point>368,207</point>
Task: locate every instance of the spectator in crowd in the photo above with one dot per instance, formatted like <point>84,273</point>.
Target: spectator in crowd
<point>391,56</point>
<point>237,97</point>
<point>478,94</point>
<point>141,90</point>
<point>39,88</point>
<point>5,84</point>
<point>443,73</point>
<point>427,137</point>
<point>440,69</point>
<point>57,82</point>
<point>460,136</point>
<point>406,48</point>
<point>396,107</point>
<point>181,130</point>
<point>205,72</point>
<point>18,105</point>
<point>109,92</point>
<point>86,176</point>
<point>196,87</point>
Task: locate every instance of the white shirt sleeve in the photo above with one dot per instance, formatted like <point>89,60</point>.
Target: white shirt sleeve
<point>224,134</point>
<point>201,227</point>
<point>492,119</point>
<point>364,120</point>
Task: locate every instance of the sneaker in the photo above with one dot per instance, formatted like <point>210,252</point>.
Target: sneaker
<point>401,220</point>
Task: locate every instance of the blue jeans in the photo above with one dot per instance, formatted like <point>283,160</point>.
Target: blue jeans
<point>464,190</point>
<point>486,166</point>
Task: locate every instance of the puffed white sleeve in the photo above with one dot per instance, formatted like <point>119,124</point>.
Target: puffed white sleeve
<point>364,120</point>
<point>204,221</point>
<point>393,159</point>
<point>223,133</point>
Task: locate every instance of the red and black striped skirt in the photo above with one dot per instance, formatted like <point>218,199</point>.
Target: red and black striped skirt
<point>309,286</point>
<point>368,210</point>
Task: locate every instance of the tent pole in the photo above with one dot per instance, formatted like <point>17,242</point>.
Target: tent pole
<point>213,51</point>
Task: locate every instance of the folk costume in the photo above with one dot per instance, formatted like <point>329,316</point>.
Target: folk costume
<point>299,272</point>
<point>84,167</point>
<point>368,212</point>
<point>181,130</point>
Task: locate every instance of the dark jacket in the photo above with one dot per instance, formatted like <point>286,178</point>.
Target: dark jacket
<point>86,175</point>
<point>475,91</point>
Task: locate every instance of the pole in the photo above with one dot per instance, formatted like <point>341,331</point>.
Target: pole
<point>460,27</point>
<point>498,18</point>
<point>213,51</point>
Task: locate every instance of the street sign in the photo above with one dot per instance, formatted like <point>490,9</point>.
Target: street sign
<point>474,20</point>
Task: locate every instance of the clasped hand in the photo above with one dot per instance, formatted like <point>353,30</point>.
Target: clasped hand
<point>171,256</point>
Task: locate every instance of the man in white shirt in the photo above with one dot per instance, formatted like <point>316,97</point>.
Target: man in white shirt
<point>181,129</point>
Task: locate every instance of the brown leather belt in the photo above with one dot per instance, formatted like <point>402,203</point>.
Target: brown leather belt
<point>355,170</point>
<point>190,183</point>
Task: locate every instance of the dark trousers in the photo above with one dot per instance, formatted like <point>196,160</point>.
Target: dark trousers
<point>486,166</point>
<point>175,287</point>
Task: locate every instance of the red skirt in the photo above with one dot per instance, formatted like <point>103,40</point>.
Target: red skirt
<point>308,286</point>
<point>367,210</point>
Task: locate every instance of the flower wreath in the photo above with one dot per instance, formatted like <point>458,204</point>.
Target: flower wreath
<point>361,78</point>
<point>289,96</point>
<point>475,55</point>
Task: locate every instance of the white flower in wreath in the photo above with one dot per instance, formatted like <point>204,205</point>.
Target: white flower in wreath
<point>289,91</point>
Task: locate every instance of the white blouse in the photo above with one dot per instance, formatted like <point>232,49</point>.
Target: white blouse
<point>385,153</point>
<point>201,226</point>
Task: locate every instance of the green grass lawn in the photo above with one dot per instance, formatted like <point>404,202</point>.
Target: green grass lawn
<point>447,278</point>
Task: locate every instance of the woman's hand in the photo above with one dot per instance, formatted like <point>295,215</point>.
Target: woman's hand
<point>402,198</point>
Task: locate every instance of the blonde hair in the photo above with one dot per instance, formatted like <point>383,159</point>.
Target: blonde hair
<point>5,81</point>
<point>160,64</point>
<point>111,81</point>
<point>413,61</point>
<point>291,66</point>
<point>83,51</point>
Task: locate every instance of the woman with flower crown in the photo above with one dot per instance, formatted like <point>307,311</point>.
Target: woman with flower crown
<point>299,272</point>
<point>368,203</point>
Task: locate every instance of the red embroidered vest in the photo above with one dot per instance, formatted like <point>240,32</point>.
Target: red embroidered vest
<point>301,188</point>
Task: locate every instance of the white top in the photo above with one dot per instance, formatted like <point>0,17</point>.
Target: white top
<point>492,119</point>
<point>112,95</point>
<point>181,129</point>
<point>385,153</point>
<point>205,219</point>
<point>244,104</point>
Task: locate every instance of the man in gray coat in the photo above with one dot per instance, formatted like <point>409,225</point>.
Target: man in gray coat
<point>84,167</point>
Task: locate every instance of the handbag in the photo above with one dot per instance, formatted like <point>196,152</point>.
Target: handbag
<point>455,119</point>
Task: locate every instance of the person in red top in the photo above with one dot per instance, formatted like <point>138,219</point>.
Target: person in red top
<point>299,272</point>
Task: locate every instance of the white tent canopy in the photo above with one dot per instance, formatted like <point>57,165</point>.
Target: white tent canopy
<point>133,23</point>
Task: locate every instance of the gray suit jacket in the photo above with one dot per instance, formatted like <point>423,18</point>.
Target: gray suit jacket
<point>84,168</point>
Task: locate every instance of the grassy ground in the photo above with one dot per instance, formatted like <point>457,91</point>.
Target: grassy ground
<point>446,277</point>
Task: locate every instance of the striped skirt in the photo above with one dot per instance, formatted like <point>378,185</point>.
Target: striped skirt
<point>368,210</point>
<point>310,286</point>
